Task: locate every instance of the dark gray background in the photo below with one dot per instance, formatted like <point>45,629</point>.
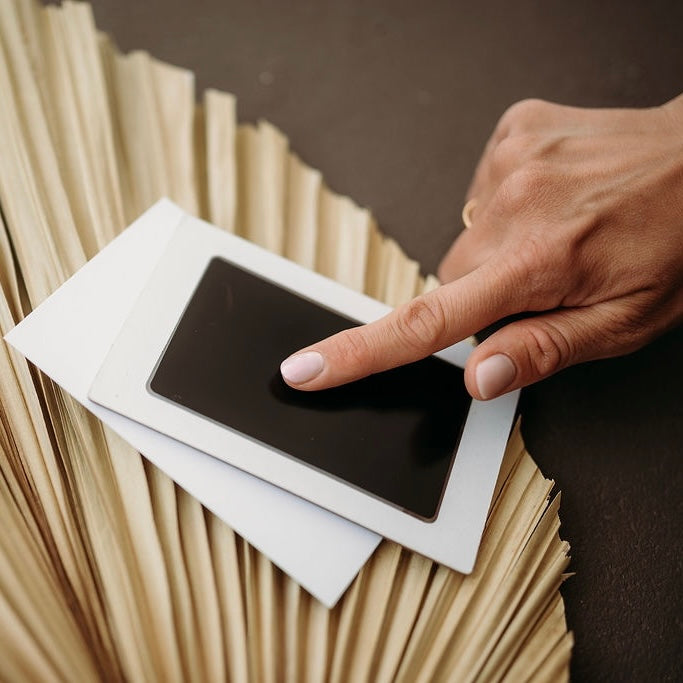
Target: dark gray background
<point>393,101</point>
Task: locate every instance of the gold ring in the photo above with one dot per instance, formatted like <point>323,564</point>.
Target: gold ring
<point>467,212</point>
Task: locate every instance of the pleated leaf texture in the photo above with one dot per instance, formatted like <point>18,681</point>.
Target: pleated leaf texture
<point>108,570</point>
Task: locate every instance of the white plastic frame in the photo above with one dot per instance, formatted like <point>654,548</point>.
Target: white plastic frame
<point>452,538</point>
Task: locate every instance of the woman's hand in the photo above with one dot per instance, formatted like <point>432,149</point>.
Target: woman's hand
<point>577,216</point>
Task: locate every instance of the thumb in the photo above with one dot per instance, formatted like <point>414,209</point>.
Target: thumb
<point>532,349</point>
<point>415,330</point>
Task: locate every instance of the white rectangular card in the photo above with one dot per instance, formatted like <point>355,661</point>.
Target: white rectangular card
<point>393,461</point>
<point>68,337</point>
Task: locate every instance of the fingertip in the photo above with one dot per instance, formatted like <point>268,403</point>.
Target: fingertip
<point>301,368</point>
<point>344,357</point>
<point>531,349</point>
<point>491,377</point>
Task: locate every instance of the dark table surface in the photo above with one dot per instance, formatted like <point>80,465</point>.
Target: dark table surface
<point>393,101</point>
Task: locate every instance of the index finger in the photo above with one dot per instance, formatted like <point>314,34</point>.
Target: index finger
<point>426,324</point>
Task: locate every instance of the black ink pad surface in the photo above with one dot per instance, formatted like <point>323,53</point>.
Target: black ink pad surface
<point>393,434</point>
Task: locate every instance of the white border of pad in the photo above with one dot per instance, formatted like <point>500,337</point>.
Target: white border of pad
<point>68,337</point>
<point>121,385</point>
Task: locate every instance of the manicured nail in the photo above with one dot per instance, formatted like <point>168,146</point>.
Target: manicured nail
<point>494,374</point>
<point>302,367</point>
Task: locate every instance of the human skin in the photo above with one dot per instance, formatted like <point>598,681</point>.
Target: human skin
<point>578,219</point>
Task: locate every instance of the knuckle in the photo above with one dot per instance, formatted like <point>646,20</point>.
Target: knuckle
<point>353,348</point>
<point>538,271</point>
<point>548,349</point>
<point>630,326</point>
<point>510,151</point>
<point>420,323</point>
<point>530,257</point>
<point>524,110</point>
<point>524,186</point>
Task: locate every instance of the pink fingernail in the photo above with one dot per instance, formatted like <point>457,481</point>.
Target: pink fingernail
<point>302,367</point>
<point>494,374</point>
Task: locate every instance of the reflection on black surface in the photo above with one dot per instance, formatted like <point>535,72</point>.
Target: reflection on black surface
<point>392,434</point>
